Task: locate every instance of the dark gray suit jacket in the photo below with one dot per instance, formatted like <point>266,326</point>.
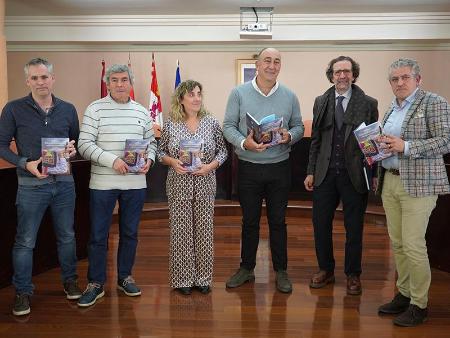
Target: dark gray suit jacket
<point>361,108</point>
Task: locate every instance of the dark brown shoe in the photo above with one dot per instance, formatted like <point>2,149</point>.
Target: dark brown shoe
<point>321,278</point>
<point>353,285</point>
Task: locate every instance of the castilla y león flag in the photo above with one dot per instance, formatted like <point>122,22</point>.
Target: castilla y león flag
<point>155,107</point>
<point>103,89</point>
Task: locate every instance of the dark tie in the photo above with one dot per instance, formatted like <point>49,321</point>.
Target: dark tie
<point>339,112</point>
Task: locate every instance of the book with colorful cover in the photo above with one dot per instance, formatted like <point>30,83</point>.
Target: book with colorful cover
<point>55,159</point>
<point>266,131</point>
<point>135,154</point>
<point>367,141</point>
<point>191,153</point>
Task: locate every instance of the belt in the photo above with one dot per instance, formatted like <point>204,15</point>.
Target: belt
<point>395,172</point>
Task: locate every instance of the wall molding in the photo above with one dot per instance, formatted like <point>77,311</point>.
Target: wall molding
<point>234,47</point>
<point>196,29</point>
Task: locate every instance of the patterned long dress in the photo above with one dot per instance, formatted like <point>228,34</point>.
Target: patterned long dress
<point>191,204</point>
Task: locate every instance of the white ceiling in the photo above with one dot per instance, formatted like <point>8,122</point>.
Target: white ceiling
<point>198,7</point>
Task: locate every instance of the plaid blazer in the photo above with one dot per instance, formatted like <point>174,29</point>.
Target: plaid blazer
<point>427,129</point>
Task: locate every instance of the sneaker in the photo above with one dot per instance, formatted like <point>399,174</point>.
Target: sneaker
<point>21,305</point>
<point>399,304</point>
<point>72,290</point>
<point>240,277</point>
<point>413,316</point>
<point>129,287</point>
<point>282,282</point>
<point>93,292</point>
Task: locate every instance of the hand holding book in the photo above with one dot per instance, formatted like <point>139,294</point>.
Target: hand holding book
<point>267,131</point>
<point>392,143</point>
<point>33,167</point>
<point>70,149</point>
<point>136,156</point>
<point>177,165</point>
<point>205,169</point>
<point>250,143</point>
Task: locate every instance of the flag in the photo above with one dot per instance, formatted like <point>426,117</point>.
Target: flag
<point>103,89</point>
<point>132,89</point>
<point>177,75</point>
<point>155,107</point>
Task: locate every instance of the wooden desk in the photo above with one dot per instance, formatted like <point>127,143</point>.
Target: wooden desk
<point>438,232</point>
<point>45,255</point>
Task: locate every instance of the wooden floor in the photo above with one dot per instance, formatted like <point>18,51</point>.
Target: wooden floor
<point>254,310</point>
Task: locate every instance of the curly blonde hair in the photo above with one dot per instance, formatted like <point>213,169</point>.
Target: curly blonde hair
<point>177,112</point>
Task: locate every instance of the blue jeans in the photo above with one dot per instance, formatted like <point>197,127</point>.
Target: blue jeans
<point>102,204</point>
<point>32,202</point>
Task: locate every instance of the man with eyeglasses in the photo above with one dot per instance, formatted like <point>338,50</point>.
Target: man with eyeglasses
<point>336,170</point>
<point>416,130</point>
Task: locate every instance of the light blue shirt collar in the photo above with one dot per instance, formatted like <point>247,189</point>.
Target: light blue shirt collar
<point>396,107</point>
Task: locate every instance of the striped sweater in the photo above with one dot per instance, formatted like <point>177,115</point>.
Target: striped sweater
<point>105,127</point>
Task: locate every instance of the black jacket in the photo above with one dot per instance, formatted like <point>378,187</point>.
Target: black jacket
<point>361,108</point>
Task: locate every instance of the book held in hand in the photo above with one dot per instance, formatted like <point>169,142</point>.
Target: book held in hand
<point>266,131</point>
<point>55,160</point>
<point>371,148</point>
<point>191,153</point>
<point>135,154</point>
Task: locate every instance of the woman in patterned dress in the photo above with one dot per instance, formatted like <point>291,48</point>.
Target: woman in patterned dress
<point>191,187</point>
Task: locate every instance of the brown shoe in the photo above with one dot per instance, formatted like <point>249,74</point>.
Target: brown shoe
<point>353,285</point>
<point>321,278</point>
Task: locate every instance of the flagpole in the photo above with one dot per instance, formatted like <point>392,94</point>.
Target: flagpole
<point>132,86</point>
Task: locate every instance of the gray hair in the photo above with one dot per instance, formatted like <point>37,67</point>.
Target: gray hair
<point>118,69</point>
<point>405,62</point>
<point>37,62</point>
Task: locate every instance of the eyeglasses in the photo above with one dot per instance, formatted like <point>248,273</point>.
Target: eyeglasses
<point>340,71</point>
<point>404,78</point>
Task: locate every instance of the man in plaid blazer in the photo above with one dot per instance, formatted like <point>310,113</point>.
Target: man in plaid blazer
<point>416,130</point>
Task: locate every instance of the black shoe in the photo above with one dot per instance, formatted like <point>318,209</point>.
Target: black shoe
<point>21,305</point>
<point>399,304</point>
<point>204,289</point>
<point>240,277</point>
<point>413,316</point>
<point>184,291</point>
<point>282,282</point>
<point>72,290</point>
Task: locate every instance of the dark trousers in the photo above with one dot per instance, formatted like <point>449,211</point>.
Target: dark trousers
<point>272,183</point>
<point>335,187</point>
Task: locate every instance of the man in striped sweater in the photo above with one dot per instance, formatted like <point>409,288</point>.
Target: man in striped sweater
<point>107,124</point>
